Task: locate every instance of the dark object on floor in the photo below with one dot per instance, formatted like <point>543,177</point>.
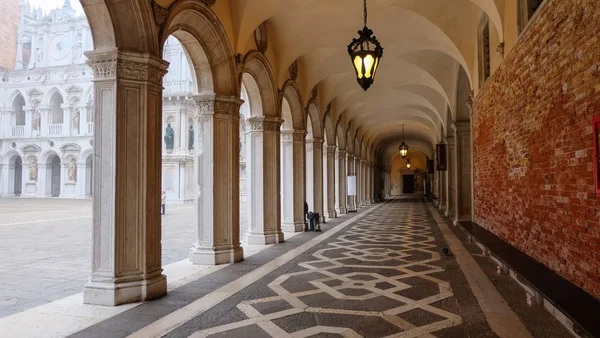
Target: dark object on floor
<point>314,221</point>
<point>446,251</point>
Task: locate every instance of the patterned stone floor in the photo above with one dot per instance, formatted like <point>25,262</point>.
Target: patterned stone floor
<point>383,276</point>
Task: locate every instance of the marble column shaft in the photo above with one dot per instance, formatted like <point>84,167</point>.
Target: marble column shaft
<point>451,176</point>
<point>330,157</point>
<point>318,177</point>
<point>294,167</point>
<point>351,171</point>
<point>464,172</point>
<point>263,180</point>
<point>342,178</point>
<point>216,171</point>
<point>126,249</point>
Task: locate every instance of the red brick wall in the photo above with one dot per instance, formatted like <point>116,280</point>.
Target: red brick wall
<point>533,146</point>
<point>10,15</point>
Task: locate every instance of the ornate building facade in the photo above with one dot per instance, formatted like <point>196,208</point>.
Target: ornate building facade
<point>46,111</point>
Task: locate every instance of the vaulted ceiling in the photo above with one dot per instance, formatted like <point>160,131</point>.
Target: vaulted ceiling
<point>426,42</point>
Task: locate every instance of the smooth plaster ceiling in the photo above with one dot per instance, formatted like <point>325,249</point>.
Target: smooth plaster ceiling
<point>425,43</point>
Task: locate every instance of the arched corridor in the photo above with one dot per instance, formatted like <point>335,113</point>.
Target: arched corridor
<point>253,114</point>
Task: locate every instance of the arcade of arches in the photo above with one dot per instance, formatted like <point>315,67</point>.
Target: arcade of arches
<point>490,79</point>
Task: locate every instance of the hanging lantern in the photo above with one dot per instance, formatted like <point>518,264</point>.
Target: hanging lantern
<point>407,163</point>
<point>365,52</point>
<point>403,147</point>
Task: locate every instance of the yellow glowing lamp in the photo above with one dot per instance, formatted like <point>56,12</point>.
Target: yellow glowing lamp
<point>365,52</point>
<point>403,149</point>
<point>407,164</point>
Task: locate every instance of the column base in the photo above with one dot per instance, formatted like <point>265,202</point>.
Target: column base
<point>341,211</point>
<point>216,255</point>
<point>330,214</point>
<point>441,206</point>
<point>111,292</point>
<point>258,238</point>
<point>292,227</point>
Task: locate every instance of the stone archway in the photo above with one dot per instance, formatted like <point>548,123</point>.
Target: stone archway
<point>262,150</point>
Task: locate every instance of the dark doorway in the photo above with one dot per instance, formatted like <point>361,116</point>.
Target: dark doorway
<point>55,185</point>
<point>408,184</point>
<point>18,176</point>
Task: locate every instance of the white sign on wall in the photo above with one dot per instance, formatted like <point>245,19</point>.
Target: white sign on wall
<point>352,185</point>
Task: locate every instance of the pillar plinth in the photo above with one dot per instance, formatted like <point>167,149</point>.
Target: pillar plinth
<point>126,249</point>
<point>216,175</point>
<point>263,141</point>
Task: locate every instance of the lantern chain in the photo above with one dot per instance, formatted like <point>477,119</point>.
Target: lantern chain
<point>365,11</point>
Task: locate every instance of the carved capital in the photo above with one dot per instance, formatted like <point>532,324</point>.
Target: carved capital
<point>299,135</point>
<point>208,105</point>
<point>111,64</point>
<point>330,150</point>
<point>350,157</point>
<point>318,142</point>
<point>264,123</point>
<point>341,154</point>
<point>209,3</point>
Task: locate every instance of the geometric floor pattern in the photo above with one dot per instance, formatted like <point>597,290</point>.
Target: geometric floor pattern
<point>377,279</point>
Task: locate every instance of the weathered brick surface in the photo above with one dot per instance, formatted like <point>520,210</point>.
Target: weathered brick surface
<point>10,14</point>
<point>533,145</point>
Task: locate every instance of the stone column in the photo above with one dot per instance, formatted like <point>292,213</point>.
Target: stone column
<point>19,60</point>
<point>358,199</point>
<point>40,187</point>
<point>330,155</point>
<point>318,177</point>
<point>66,130</point>
<point>309,174</point>
<point>366,183</point>
<point>341,205</point>
<point>464,172</point>
<point>299,137</point>
<point>28,121</point>
<point>450,177</point>
<point>216,172</point>
<point>126,248</point>
<point>80,186</point>
<point>33,52</point>
<point>292,180</point>
<point>351,172</point>
<point>443,196</point>
<point>263,181</point>
<point>44,118</point>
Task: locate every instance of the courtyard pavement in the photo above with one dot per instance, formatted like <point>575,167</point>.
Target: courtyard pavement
<point>45,246</point>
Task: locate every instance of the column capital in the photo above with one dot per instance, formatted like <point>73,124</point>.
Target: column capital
<point>350,157</point>
<point>330,150</point>
<point>293,135</point>
<point>264,123</point>
<point>341,153</point>
<point>210,104</point>
<point>112,64</point>
<point>463,127</point>
<point>318,142</point>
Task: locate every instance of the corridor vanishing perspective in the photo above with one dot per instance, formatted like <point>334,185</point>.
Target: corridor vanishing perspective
<point>163,164</point>
<point>382,273</point>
